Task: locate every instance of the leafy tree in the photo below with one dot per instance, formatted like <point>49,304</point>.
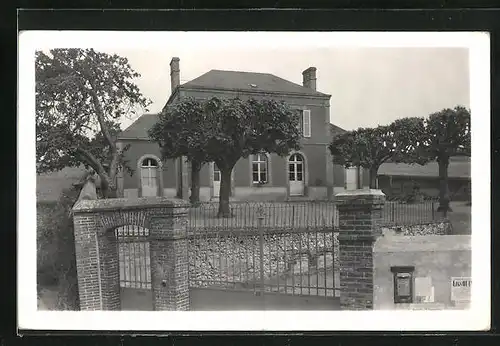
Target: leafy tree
<point>225,130</point>
<point>238,128</point>
<point>181,131</point>
<point>371,147</point>
<point>81,95</point>
<point>447,134</point>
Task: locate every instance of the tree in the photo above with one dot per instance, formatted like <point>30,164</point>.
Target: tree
<point>371,147</point>
<point>81,95</point>
<point>225,130</point>
<point>447,134</point>
<point>181,131</point>
<point>238,128</point>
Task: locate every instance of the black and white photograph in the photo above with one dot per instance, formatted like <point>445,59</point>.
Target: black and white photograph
<point>259,178</point>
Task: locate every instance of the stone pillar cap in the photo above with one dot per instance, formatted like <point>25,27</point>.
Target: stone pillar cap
<point>360,192</point>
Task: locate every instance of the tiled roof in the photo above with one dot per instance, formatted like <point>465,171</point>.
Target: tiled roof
<point>456,169</point>
<point>335,130</point>
<point>49,186</point>
<point>248,81</point>
<point>139,128</point>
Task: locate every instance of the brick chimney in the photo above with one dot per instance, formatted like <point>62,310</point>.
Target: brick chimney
<point>175,74</point>
<point>309,78</point>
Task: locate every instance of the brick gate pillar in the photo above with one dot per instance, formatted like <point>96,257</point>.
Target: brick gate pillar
<point>96,260</point>
<point>169,256</point>
<point>360,212</point>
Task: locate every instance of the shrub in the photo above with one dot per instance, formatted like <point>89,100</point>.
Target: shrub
<point>56,261</point>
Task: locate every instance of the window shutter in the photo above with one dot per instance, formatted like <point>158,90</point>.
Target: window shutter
<point>306,118</point>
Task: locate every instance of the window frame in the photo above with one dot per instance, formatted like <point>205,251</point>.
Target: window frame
<point>306,120</point>
<point>260,159</point>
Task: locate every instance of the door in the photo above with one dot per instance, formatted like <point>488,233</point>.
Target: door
<point>296,175</point>
<point>216,180</point>
<point>149,177</point>
<point>351,178</point>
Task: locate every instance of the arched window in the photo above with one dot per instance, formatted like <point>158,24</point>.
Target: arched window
<point>149,177</point>
<point>259,168</point>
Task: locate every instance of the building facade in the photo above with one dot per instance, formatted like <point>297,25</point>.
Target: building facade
<point>306,173</point>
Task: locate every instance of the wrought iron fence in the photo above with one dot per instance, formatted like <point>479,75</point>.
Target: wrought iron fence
<point>277,215</point>
<point>134,257</point>
<point>399,213</point>
<point>287,247</point>
<point>288,261</point>
<point>303,214</point>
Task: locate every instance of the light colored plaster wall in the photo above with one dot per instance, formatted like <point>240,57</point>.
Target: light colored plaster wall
<point>437,257</point>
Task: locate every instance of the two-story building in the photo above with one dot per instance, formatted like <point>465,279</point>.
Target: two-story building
<point>308,172</point>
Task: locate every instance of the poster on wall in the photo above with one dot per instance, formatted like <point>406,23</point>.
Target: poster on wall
<point>461,289</point>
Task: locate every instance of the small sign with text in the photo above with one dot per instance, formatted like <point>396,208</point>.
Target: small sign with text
<point>461,289</point>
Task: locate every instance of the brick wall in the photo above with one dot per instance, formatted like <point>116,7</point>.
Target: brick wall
<point>360,212</point>
<point>97,252</point>
<point>169,260</point>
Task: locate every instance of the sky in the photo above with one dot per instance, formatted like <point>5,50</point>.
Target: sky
<point>369,85</point>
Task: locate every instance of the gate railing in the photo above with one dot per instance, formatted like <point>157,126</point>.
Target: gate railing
<point>134,257</point>
<point>296,261</point>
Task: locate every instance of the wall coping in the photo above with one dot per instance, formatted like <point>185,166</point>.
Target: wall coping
<point>360,193</point>
<point>87,205</point>
<point>437,243</point>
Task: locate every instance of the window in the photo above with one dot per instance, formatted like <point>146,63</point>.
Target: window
<point>306,125</point>
<point>259,168</point>
<point>403,284</point>
<point>295,168</point>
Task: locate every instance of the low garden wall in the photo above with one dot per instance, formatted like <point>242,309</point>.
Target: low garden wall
<point>429,228</point>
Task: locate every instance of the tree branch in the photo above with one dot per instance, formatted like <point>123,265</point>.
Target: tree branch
<point>91,160</point>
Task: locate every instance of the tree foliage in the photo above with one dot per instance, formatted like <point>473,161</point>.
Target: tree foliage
<point>56,259</point>
<point>371,147</point>
<point>225,130</point>
<point>181,131</point>
<point>448,133</point>
<point>81,95</point>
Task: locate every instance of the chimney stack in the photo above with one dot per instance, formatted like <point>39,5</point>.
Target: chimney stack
<point>309,78</point>
<point>175,74</point>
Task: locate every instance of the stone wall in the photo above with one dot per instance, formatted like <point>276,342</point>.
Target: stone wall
<point>424,229</point>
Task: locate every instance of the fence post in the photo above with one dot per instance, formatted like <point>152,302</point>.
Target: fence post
<point>393,211</point>
<point>260,219</point>
<point>96,255</point>
<point>432,206</point>
<point>360,213</point>
<point>169,257</point>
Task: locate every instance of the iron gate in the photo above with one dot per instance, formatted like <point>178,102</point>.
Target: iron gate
<point>135,267</point>
<point>267,265</point>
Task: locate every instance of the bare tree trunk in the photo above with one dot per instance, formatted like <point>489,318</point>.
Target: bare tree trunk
<point>195,182</point>
<point>444,193</point>
<point>373,177</point>
<point>225,192</point>
<point>108,186</point>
